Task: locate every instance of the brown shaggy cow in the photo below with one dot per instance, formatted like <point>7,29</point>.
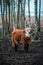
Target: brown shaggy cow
<point>21,37</point>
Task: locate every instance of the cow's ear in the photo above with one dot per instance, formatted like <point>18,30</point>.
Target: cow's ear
<point>24,31</point>
<point>13,33</point>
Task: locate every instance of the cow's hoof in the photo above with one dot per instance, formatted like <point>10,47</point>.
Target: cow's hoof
<point>26,50</point>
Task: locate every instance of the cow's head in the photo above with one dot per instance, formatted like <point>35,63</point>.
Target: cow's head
<point>28,31</point>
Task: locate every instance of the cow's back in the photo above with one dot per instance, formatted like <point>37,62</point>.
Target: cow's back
<point>16,34</point>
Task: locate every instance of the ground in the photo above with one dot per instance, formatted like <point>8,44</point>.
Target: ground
<point>9,57</point>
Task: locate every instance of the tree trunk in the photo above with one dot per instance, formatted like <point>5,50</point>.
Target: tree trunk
<point>12,16</point>
<point>6,13</point>
<point>36,21</point>
<point>23,14</point>
<point>9,20</point>
<point>39,15</point>
<point>2,18</point>
<point>24,9</point>
<point>18,14</point>
<point>29,9</point>
<point>2,13</point>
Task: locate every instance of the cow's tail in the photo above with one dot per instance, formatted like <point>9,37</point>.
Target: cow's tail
<point>13,41</point>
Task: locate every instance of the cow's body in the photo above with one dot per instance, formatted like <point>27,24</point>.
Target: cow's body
<point>18,36</point>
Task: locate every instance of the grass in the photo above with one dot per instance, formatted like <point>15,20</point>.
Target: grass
<point>36,40</point>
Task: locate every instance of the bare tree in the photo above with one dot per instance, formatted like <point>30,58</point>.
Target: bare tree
<point>36,20</point>
<point>23,14</point>
<point>18,13</point>
<point>39,15</point>
<point>2,14</point>
<point>29,9</point>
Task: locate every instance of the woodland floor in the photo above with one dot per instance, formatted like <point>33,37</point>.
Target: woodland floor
<point>9,57</point>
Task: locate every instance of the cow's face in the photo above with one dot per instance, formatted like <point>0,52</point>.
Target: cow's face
<point>27,32</point>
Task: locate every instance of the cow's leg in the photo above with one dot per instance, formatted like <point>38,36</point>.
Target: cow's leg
<point>16,46</point>
<point>26,46</point>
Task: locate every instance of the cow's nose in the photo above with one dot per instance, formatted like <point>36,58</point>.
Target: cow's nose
<point>26,35</point>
